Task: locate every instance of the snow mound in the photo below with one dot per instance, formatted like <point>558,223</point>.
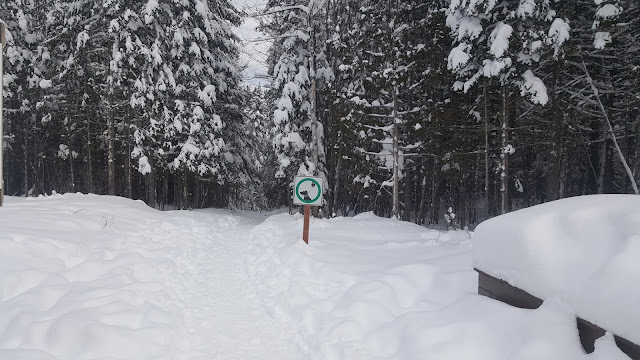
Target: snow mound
<point>372,288</point>
<point>94,277</point>
<point>582,250</point>
<point>72,287</point>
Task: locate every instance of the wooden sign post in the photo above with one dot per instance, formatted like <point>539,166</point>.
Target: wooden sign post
<point>305,229</point>
<point>307,191</point>
<point>2,42</point>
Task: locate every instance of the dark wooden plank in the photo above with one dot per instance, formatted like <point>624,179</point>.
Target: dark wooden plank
<point>501,290</point>
<point>589,333</point>
<point>632,350</point>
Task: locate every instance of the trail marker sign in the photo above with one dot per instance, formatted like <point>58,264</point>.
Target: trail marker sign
<point>307,191</point>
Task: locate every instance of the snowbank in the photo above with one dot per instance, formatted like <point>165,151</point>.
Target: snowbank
<point>98,277</point>
<point>584,251</point>
<point>78,282</point>
<point>373,288</point>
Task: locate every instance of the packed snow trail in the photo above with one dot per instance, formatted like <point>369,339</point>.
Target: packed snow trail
<point>222,312</point>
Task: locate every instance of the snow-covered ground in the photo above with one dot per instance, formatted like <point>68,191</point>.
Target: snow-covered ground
<point>96,277</point>
<point>373,288</point>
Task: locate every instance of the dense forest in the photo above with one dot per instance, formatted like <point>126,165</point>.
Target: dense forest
<point>411,109</point>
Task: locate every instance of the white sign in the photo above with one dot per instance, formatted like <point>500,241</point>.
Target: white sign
<point>307,191</point>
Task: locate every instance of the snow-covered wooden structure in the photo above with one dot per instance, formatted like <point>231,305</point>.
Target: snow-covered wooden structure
<point>501,290</point>
<point>582,251</point>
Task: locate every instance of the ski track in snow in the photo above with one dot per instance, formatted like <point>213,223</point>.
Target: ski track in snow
<point>222,312</point>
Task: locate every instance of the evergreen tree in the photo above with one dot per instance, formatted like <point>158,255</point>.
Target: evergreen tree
<point>299,67</point>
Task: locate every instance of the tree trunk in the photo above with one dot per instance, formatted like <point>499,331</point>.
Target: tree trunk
<point>176,192</point>
<point>152,195</point>
<point>313,117</point>
<point>72,186</point>
<point>435,204</point>
<point>504,180</point>
<point>111,140</point>
<point>602,162</point>
<point>165,190</point>
<point>486,151</point>
<point>336,182</point>
<point>185,191</point>
<point>127,164</point>
<point>422,208</point>
<point>197,202</point>
<point>435,198</point>
<point>39,173</point>
<point>396,155</point>
<point>313,94</point>
<point>630,144</point>
<point>89,180</point>
<point>25,159</point>
<point>127,158</point>
<point>610,129</point>
<point>553,178</point>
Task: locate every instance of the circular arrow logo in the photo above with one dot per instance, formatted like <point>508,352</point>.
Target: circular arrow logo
<point>306,197</point>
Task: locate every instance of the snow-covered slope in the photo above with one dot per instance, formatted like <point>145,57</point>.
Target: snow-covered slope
<point>95,277</point>
<point>370,288</point>
<point>78,281</point>
<point>583,250</point>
